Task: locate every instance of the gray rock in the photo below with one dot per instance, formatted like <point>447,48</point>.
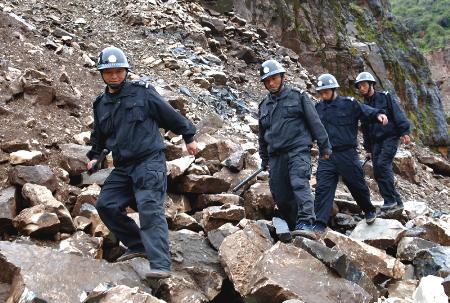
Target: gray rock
<point>216,216</point>
<point>201,185</point>
<point>7,209</point>
<point>408,247</point>
<point>383,233</point>
<point>38,174</point>
<point>98,177</point>
<point>73,158</point>
<point>258,202</point>
<point>216,236</point>
<point>50,276</point>
<point>433,261</point>
<point>37,222</point>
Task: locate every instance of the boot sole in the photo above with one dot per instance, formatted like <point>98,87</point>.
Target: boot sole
<point>131,256</point>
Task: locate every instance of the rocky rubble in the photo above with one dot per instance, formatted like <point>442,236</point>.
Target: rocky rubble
<point>224,246</point>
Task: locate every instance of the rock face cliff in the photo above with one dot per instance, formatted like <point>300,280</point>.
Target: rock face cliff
<point>439,61</point>
<point>347,37</point>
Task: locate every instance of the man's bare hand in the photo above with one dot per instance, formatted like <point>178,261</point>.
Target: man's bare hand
<point>382,118</point>
<point>406,139</point>
<point>326,157</point>
<point>91,164</point>
<point>192,148</point>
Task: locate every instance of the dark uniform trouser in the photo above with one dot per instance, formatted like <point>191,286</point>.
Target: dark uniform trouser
<point>346,164</point>
<point>383,153</point>
<point>143,186</point>
<point>289,184</point>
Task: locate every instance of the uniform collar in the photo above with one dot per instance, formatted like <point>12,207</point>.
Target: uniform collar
<point>124,91</point>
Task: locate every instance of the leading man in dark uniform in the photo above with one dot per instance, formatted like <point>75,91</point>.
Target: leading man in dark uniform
<point>288,124</point>
<point>127,118</point>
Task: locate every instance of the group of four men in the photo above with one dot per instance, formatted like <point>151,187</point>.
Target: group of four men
<point>128,115</point>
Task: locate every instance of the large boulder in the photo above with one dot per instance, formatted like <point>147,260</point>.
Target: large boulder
<point>46,275</point>
<point>179,166</point>
<point>408,247</point>
<point>37,221</point>
<point>288,272</point>
<point>438,165</point>
<point>432,261</point>
<point>106,293</point>
<point>405,165</point>
<point>239,252</point>
<point>371,260</point>
<point>430,290</point>
<point>198,276</point>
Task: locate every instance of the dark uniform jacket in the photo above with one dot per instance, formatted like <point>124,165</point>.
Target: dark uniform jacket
<point>398,123</point>
<point>289,121</point>
<point>127,123</point>
<point>340,118</point>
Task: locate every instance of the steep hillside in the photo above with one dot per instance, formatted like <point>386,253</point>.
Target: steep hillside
<point>347,37</point>
<point>428,21</point>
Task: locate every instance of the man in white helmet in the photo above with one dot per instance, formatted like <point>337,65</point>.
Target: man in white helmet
<point>288,124</point>
<point>381,141</point>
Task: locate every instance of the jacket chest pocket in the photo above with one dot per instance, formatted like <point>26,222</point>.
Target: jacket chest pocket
<point>135,113</point>
<point>264,120</point>
<point>343,118</point>
<point>106,123</point>
<point>290,110</point>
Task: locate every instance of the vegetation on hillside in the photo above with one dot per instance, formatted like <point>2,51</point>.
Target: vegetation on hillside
<point>428,20</point>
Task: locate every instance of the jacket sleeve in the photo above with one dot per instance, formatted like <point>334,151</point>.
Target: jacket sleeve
<point>402,123</point>
<point>368,113</point>
<point>316,127</point>
<point>366,137</point>
<point>97,140</point>
<point>263,151</point>
<point>168,118</point>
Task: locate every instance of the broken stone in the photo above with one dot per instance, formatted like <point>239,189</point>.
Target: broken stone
<point>288,272</point>
<point>184,221</point>
<point>14,145</point>
<point>414,209</point>
<point>371,260</point>
<point>40,195</point>
<point>173,152</point>
<point>402,289</point>
<point>38,92</point>
<point>73,158</point>
<point>215,216</point>
<point>179,166</point>
<point>38,174</point>
<point>106,293</point>
<point>383,233</point>
<point>59,277</point>
<point>438,165</point>
<point>216,236</point>
<point>97,227</point>
<point>408,247</point>
<point>258,202</point>
<point>338,261</point>
<point>430,290</point>
<point>344,222</point>
<point>434,230</point>
<point>235,178</point>
<point>7,209</point>
<point>220,78</point>
<point>216,25</point>
<point>88,195</point>
<point>432,261</point>
<point>37,222</point>
<point>238,253</point>
<point>201,185</point>
<point>196,267</point>
<point>206,200</point>
<point>405,165</point>
<point>83,245</point>
<point>176,204</point>
<point>98,177</point>
<point>83,138</point>
<point>235,162</point>
<point>195,169</point>
<point>82,223</point>
<point>446,284</point>
<point>25,157</point>
<point>216,149</point>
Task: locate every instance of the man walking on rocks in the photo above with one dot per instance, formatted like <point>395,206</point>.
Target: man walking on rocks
<point>340,116</point>
<point>381,141</point>
<point>127,118</point>
<point>288,123</point>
